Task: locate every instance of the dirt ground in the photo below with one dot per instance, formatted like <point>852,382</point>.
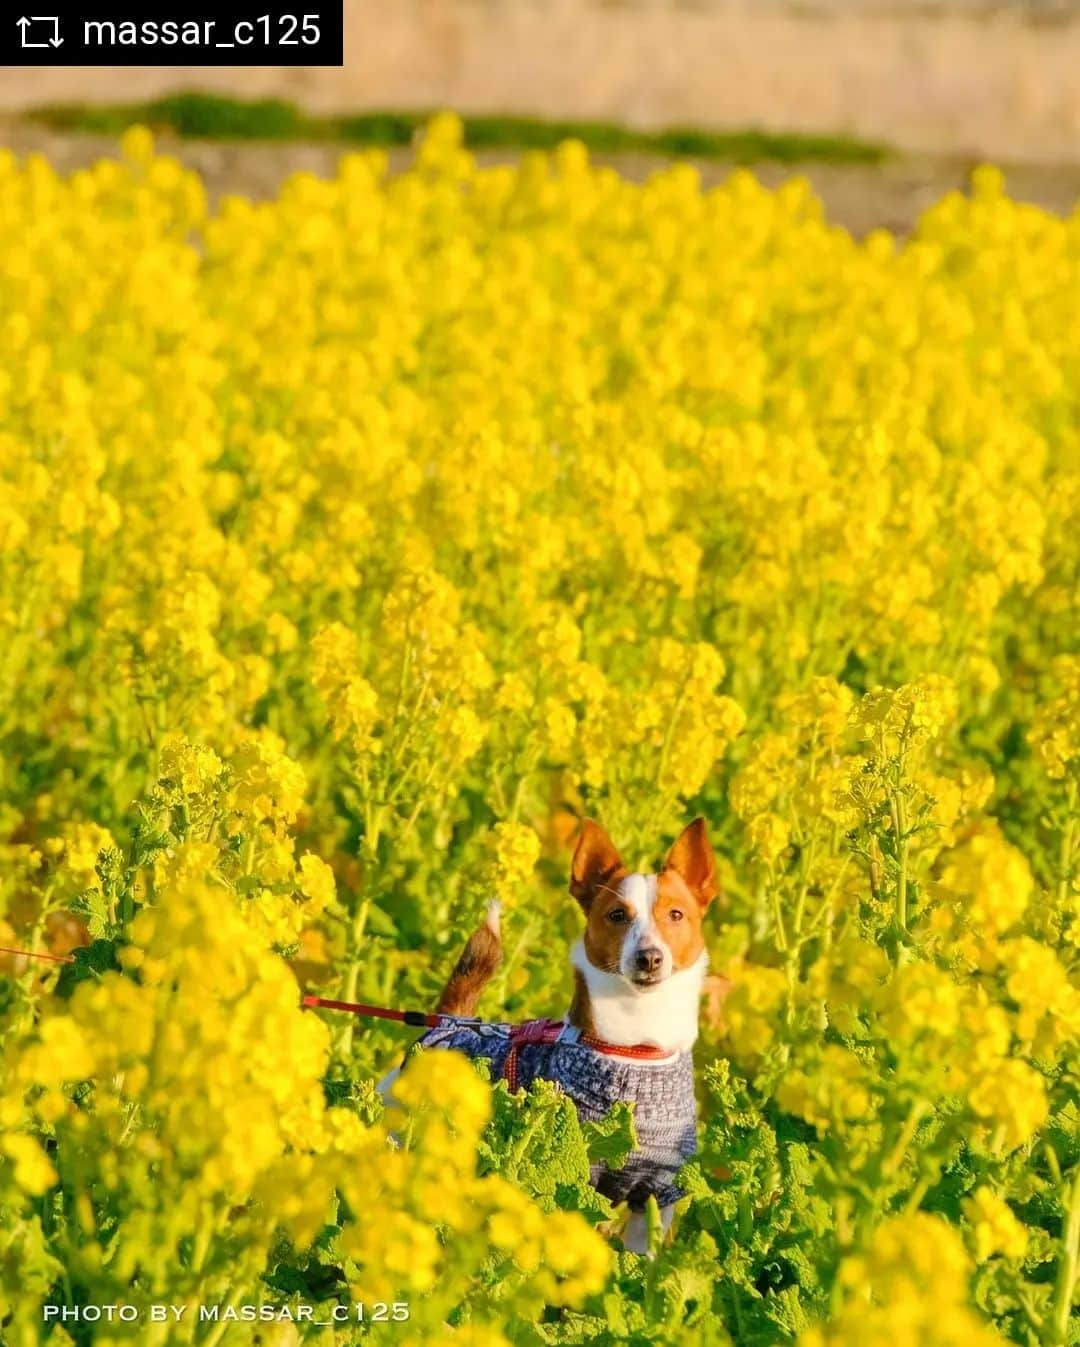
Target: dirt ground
<point>990,78</point>
<point>858,197</point>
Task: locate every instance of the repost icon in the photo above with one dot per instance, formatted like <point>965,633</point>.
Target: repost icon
<point>193,33</point>
<point>39,31</point>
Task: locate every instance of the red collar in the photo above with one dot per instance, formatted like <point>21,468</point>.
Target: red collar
<point>549,1031</point>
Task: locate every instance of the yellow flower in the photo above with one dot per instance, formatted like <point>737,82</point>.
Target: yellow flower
<point>909,715</point>
<point>517,849</point>
<point>833,1091</point>
<point>995,1228</point>
<point>751,1007</point>
<point>909,1287</point>
<point>1055,727</point>
<point>32,1170</point>
<point>137,144</point>
<point>316,881</point>
<point>266,783</point>
<point>990,878</point>
<point>347,522</point>
<point>192,767</point>
<point>78,848</point>
<point>769,835</point>
<point>1011,1098</point>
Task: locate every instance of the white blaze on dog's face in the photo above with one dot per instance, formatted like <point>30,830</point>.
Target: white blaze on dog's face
<point>643,927</point>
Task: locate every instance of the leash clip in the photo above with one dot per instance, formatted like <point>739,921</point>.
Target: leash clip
<point>522,1035</point>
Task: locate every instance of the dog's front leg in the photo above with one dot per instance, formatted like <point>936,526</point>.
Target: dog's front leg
<point>385,1087</point>
<point>636,1234</point>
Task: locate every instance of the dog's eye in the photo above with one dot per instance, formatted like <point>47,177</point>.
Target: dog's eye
<point>675,914</point>
<point>617,915</point>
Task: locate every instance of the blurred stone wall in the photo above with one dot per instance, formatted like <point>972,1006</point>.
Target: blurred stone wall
<point>970,77</point>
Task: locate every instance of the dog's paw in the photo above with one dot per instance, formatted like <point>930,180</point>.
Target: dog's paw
<point>635,1237</point>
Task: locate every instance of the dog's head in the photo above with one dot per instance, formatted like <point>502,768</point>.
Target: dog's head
<point>644,927</point>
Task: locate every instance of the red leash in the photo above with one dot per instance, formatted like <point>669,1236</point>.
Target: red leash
<point>29,954</point>
<point>535,1031</point>
<point>416,1018</point>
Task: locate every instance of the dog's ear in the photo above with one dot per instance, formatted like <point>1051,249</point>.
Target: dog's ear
<point>691,857</point>
<point>595,863</point>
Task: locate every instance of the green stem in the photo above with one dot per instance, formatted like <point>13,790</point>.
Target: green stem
<point>1067,841</point>
<point>359,924</point>
<point>781,934</point>
<point>412,722</point>
<point>804,884</point>
<point>916,1114</point>
<point>917,1194</point>
<point>515,802</point>
<point>900,826</point>
<point>669,733</point>
<point>510,959</point>
<point>421,798</point>
<point>218,1331</point>
<point>826,903</point>
<point>1034,1318</point>
<point>1068,1268</point>
<point>12,1235</point>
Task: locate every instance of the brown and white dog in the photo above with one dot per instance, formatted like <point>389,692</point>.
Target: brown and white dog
<point>638,968</point>
<point>641,962</point>
<point>640,965</point>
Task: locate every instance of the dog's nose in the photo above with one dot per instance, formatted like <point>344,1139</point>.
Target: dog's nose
<point>648,960</point>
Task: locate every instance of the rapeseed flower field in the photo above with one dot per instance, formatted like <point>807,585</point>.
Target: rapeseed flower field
<point>353,545</point>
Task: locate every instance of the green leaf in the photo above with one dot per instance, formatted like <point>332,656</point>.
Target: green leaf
<point>94,906</point>
<point>89,962</point>
<point>612,1140</point>
<point>535,1140</point>
<point>380,922</point>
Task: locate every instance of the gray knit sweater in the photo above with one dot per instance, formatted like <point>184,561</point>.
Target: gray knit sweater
<point>662,1092</point>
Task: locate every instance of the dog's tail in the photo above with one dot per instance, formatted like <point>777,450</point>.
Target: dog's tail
<point>479,960</point>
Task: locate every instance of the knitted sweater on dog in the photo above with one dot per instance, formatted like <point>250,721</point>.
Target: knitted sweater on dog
<point>662,1092</point>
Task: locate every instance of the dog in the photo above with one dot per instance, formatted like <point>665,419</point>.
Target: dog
<point>639,970</point>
